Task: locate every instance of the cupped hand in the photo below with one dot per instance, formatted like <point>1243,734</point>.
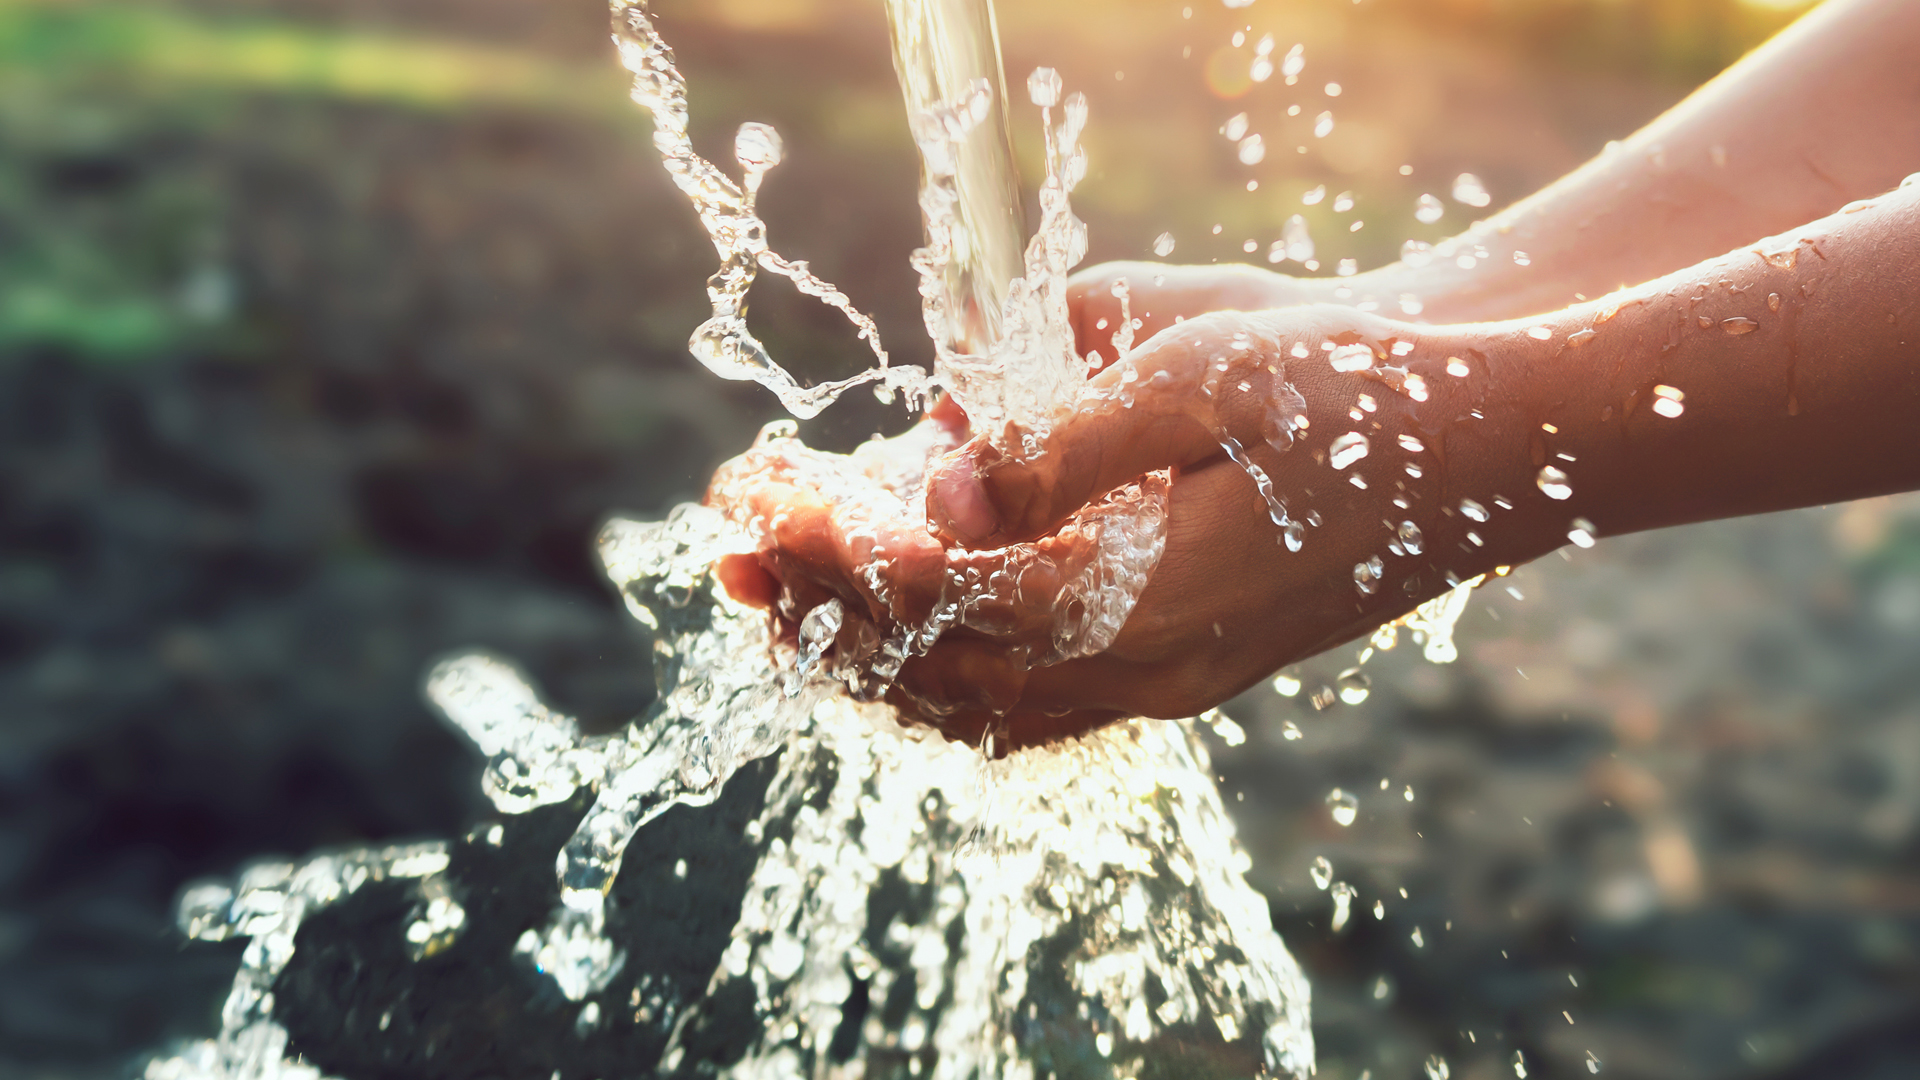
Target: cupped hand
<point>1229,602</point>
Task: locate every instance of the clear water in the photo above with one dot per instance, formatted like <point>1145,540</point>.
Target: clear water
<point>1090,914</point>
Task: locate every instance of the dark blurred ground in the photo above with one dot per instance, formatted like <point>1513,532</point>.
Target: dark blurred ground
<point>330,329</point>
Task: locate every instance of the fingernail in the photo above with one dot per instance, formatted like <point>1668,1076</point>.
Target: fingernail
<point>957,501</point>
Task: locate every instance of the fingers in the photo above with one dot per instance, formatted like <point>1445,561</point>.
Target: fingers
<point>1160,295</point>
<point>1154,410</point>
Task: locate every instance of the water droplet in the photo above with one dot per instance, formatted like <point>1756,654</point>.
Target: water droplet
<point>1322,872</point>
<point>1784,258</point>
<point>1379,910</point>
<point>1416,253</point>
<point>1323,125</point>
<point>1581,337</point>
<point>1235,128</point>
<point>1739,325</point>
<point>1468,189</point>
<point>1668,401</point>
<point>1473,510</point>
<point>1539,333</point>
<point>1286,684</point>
<point>1314,195</point>
<point>1343,894</point>
<point>1593,1063</point>
<point>758,148</point>
<point>1382,989</point>
<point>1347,449</point>
<point>1408,794</point>
<point>1420,942</point>
<point>1436,1065</point>
<point>1290,731</point>
<point>1427,209</point>
<point>1582,533</point>
<point>1347,267</point>
<point>1253,150</point>
<point>1415,386</point>
<point>1299,243</point>
<point>1163,244</point>
<point>1410,538</point>
<point>1773,301</point>
<point>1343,202</point>
<point>1294,535</point>
<point>1554,482</point>
<point>1411,444</point>
<point>1043,87</point>
<point>1354,686</point>
<point>1286,417</point>
<point>1351,358</point>
<point>1456,367</point>
<point>1333,89</point>
<point>1344,807</point>
<point>1519,1065</point>
<point>1295,62</point>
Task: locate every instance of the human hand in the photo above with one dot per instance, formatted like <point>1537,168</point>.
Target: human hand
<point>1160,294</point>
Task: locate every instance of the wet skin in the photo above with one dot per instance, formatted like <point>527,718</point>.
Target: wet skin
<point>1813,404</point>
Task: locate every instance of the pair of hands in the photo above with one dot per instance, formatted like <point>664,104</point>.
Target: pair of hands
<point>1228,602</point>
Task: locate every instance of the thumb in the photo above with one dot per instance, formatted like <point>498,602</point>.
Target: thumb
<point>1153,410</point>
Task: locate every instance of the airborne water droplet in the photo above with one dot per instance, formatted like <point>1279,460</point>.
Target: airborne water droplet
<point>1411,538</point>
<point>1253,150</point>
<point>1473,510</point>
<point>1286,684</point>
<point>1344,807</point>
<point>1427,209</point>
<point>758,148</point>
<point>1343,202</point>
<point>1436,1065</point>
<point>1323,125</point>
<point>1163,244</point>
<point>1290,731</point>
<point>1354,686</point>
<point>1298,241</point>
<point>1582,532</point>
<point>1236,127</point>
<point>1314,195</point>
<point>1554,482</point>
<point>1343,894</point>
<point>1379,910</point>
<point>1322,872</point>
<point>1347,449</point>
<point>1519,1065</point>
<point>1295,61</point>
<point>1416,253</point>
<point>1468,189</point>
<point>1739,325</point>
<point>1043,87</point>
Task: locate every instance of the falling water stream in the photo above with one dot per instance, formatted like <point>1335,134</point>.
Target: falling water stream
<point>1078,910</point>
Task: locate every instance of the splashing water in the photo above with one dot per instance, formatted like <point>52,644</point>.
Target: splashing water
<point>1099,879</point>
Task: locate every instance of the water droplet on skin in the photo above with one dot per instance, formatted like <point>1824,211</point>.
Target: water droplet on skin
<point>1414,470</point>
<point>1773,301</point>
<point>1314,195</point>
<point>1347,449</point>
<point>1415,386</point>
<point>1436,1065</point>
<point>1416,253</point>
<point>1468,189</point>
<point>1294,535</point>
<point>1354,686</point>
<point>1668,402</point>
<point>1343,202</point>
<point>1344,807</point>
<point>1739,325</point>
<point>1554,482</point>
<point>1253,150</point>
<point>1784,258</point>
<point>1410,537</point>
<point>1286,417</point>
<point>1473,511</point>
<point>1521,258</point>
<point>1323,125</point>
<point>1411,444</point>
<point>1043,87</point>
<point>1540,333</point>
<point>1351,358</point>
<point>1290,731</point>
<point>1456,367</point>
<point>1582,533</point>
<point>1163,244</point>
<point>1580,337</point>
<point>1347,267</point>
<point>1427,209</point>
<point>1235,128</point>
<point>1322,872</point>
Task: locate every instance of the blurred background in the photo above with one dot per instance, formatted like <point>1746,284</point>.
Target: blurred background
<point>331,329</point>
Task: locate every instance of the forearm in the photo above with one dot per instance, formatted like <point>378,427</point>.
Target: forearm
<point>1799,384</point>
<point>1825,113</point>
